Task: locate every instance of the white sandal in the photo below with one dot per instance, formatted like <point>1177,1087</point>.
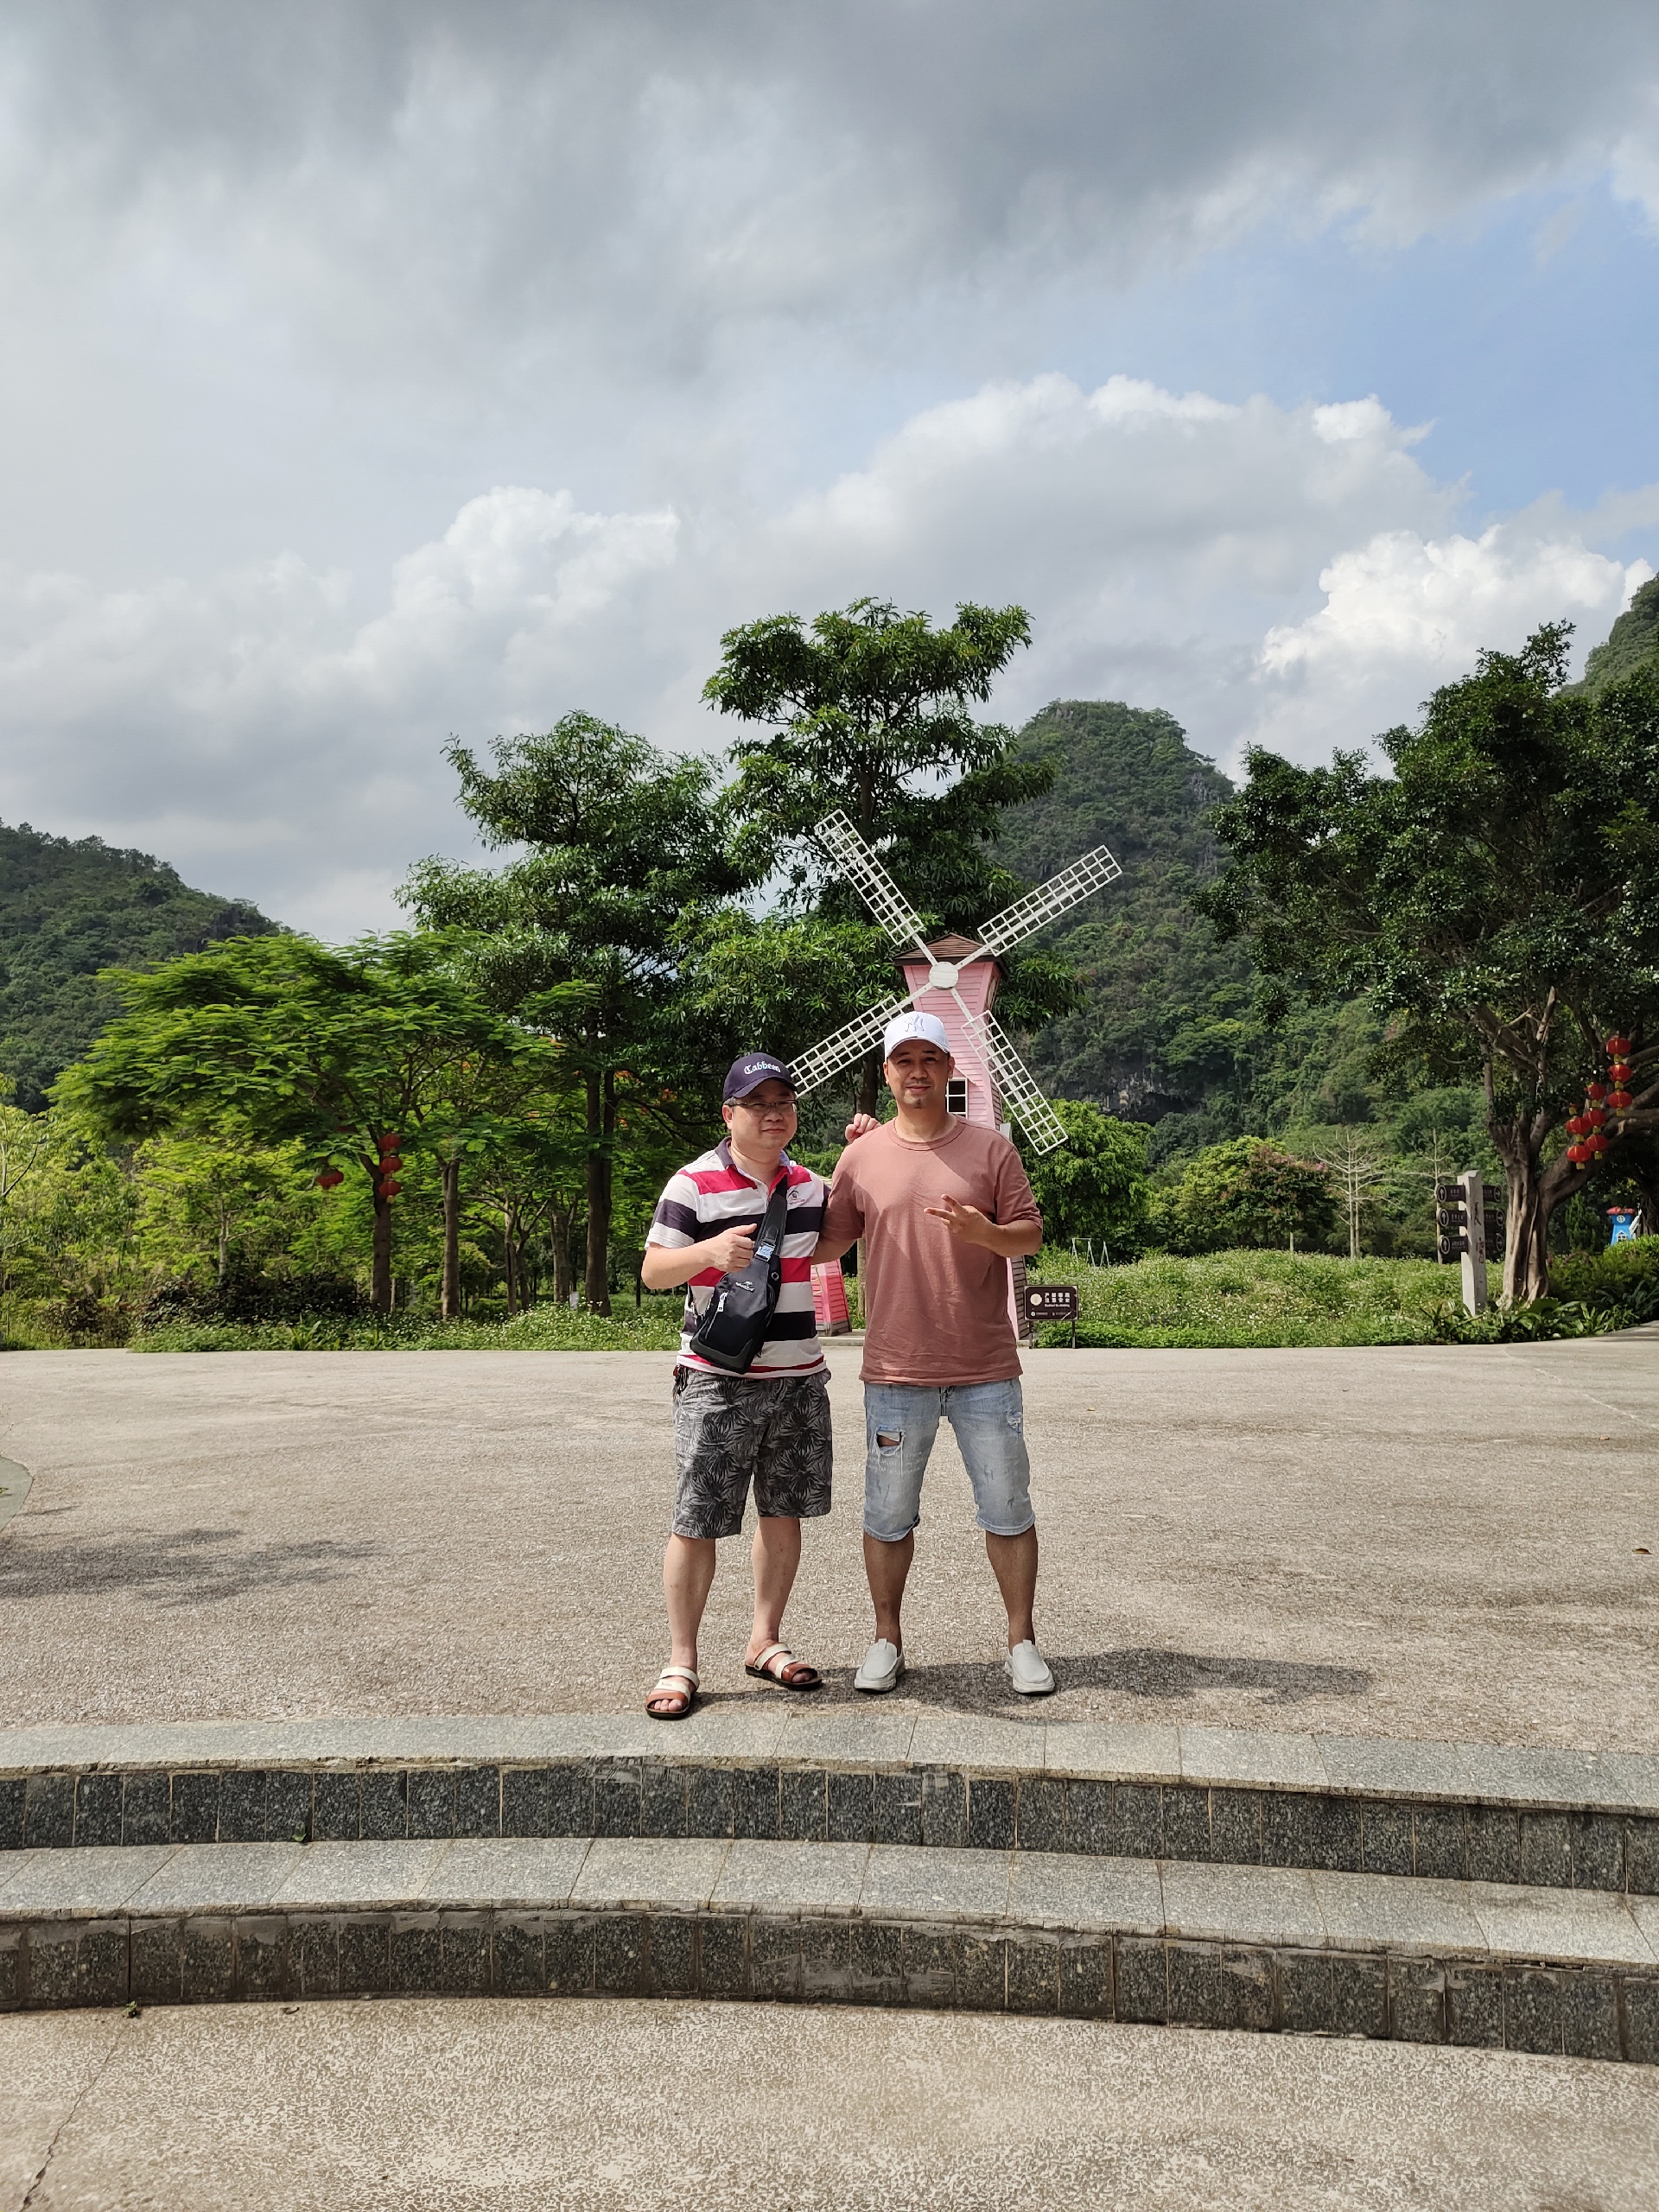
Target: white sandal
<point>665,1687</point>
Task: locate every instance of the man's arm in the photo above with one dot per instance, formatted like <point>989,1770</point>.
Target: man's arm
<point>1014,1240</point>
<point>665,1266</point>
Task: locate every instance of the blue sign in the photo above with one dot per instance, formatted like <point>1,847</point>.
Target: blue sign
<point>1624,1219</point>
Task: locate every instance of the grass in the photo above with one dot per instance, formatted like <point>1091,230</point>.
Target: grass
<point>1254,1299</point>
<point>654,1326</point>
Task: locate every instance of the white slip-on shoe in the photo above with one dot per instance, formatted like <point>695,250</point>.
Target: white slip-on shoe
<point>1029,1671</point>
<point>884,1663</point>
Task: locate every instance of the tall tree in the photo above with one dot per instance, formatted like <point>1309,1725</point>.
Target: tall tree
<point>870,711</point>
<point>344,1052</point>
<point>584,937</point>
<point>1496,898</point>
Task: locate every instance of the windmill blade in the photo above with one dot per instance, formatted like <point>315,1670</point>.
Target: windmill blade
<point>847,1045</point>
<point>871,881</point>
<point>1050,900</point>
<point>1015,1083</point>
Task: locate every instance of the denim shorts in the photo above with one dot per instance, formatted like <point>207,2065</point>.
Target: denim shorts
<point>989,1423</point>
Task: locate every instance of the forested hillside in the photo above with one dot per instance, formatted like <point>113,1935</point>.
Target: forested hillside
<point>1632,640</point>
<point>68,907</point>
<point>1167,1032</point>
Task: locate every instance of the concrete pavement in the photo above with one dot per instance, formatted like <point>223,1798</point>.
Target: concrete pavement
<point>1437,1543</point>
<point>454,2104</point>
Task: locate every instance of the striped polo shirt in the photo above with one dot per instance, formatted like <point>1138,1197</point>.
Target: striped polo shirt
<point>713,1194</point>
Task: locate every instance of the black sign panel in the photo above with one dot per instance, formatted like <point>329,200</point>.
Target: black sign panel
<point>1052,1301</point>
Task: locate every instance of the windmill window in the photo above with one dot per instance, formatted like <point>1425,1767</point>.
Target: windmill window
<point>955,1096</point>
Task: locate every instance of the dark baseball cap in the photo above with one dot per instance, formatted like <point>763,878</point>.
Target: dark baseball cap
<point>748,1074</point>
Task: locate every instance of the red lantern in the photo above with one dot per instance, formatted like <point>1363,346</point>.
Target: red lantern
<point>390,1163</point>
<point>1576,1126</point>
<point>1597,1090</point>
<point>1617,1047</point>
<point>390,1142</point>
<point>330,1178</point>
<point>1578,1154</point>
<point>1620,1099</point>
<point>1596,1143</point>
<point>388,1189</point>
<point>1594,1118</point>
<point>1619,1071</point>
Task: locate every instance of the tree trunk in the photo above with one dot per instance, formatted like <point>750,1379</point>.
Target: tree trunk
<point>449,1296</point>
<point>380,1287</point>
<point>869,1078</point>
<point>224,1246</point>
<point>564,1281</point>
<point>602,1110</point>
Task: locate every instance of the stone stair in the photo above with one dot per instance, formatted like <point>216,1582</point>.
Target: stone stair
<point>1455,1893</point>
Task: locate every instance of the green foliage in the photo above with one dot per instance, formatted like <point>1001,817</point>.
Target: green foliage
<point>1496,899</point>
<point>1244,1193</point>
<point>873,716</point>
<point>653,1326</point>
<point>1250,1300</point>
<point>1631,643</point>
<point>1093,1188</point>
<point>69,909</point>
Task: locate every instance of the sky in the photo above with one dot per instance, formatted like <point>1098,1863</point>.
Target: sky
<point>381,373</point>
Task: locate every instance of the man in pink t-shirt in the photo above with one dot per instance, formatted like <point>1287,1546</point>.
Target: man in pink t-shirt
<point>942,1206</point>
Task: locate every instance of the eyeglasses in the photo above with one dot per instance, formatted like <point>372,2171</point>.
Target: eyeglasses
<point>764,1106</point>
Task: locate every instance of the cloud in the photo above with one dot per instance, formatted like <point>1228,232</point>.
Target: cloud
<point>1292,576</point>
<point>1403,611</point>
<point>431,194</point>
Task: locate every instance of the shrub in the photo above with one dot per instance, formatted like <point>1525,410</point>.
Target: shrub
<point>1248,1194</point>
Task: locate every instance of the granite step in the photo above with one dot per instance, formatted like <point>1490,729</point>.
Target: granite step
<point>764,1769</point>
<point>1132,1939</point>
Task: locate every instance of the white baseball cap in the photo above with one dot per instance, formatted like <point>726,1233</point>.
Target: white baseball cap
<point>927,1027</point>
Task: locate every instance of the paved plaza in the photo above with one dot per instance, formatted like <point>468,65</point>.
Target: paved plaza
<point>1439,1543</point>
<point>626,2106</point>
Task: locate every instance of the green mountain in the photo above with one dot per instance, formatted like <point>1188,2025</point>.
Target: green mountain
<point>1167,1032</point>
<point>1633,639</point>
<point>69,907</point>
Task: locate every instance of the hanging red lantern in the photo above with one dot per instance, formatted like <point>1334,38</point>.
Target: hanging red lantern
<point>330,1179</point>
<point>1577,1125</point>
<point>1578,1154</point>
<point>1595,1119</point>
<point>390,1142</point>
<point>390,1163</point>
<point>388,1189</point>
<point>1619,1072</point>
<point>1597,1090</point>
<point>1620,1099</point>
<point>1617,1047</point>
<point>1596,1143</point>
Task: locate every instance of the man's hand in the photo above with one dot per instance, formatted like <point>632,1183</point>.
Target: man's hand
<point>966,1223</point>
<point>859,1126</point>
<point>730,1252</point>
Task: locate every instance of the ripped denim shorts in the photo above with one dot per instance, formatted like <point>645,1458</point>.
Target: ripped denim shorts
<point>900,1422</point>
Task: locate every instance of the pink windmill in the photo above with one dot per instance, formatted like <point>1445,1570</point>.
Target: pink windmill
<point>955,978</point>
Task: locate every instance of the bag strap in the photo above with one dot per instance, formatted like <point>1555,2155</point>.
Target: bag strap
<point>775,1221</point>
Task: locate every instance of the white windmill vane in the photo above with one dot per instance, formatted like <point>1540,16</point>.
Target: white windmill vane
<point>955,979</point>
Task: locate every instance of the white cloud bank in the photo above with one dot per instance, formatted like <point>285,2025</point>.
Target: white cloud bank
<point>1287,575</point>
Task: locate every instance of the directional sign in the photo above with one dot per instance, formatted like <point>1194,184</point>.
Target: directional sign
<point>1052,1301</point>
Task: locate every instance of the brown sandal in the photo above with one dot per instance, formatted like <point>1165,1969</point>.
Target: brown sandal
<point>666,1688</point>
<point>778,1663</point>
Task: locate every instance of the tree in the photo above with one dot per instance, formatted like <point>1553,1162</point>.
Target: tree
<point>1095,1186</point>
<point>871,711</point>
<point>1496,898</point>
<point>343,1052</point>
<point>1243,1195</point>
<point>585,935</point>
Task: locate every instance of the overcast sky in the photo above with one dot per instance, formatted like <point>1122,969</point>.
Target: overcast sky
<point>373,372</point>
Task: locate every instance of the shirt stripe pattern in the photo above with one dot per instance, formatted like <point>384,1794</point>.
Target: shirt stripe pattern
<point>712,1194</point>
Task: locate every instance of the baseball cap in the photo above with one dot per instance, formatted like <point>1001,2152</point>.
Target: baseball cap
<point>753,1069</point>
<point>927,1027</point>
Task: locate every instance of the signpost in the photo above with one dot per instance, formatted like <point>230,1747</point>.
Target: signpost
<point>1052,1301</point>
<point>1461,1217</point>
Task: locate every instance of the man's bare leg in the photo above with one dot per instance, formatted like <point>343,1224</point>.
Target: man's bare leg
<point>887,1566</point>
<point>687,1577</point>
<point>1013,1562</point>
<point>777,1556</point>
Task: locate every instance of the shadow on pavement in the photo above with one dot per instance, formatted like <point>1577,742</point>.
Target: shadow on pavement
<point>1144,1673</point>
<point>191,1566</point>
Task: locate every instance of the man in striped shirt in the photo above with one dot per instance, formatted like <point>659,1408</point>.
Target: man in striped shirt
<point>770,1426</point>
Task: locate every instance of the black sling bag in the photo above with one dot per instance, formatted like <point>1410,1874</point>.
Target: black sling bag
<point>734,1324</point>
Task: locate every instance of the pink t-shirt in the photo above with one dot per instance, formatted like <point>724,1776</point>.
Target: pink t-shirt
<point>936,1309</point>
